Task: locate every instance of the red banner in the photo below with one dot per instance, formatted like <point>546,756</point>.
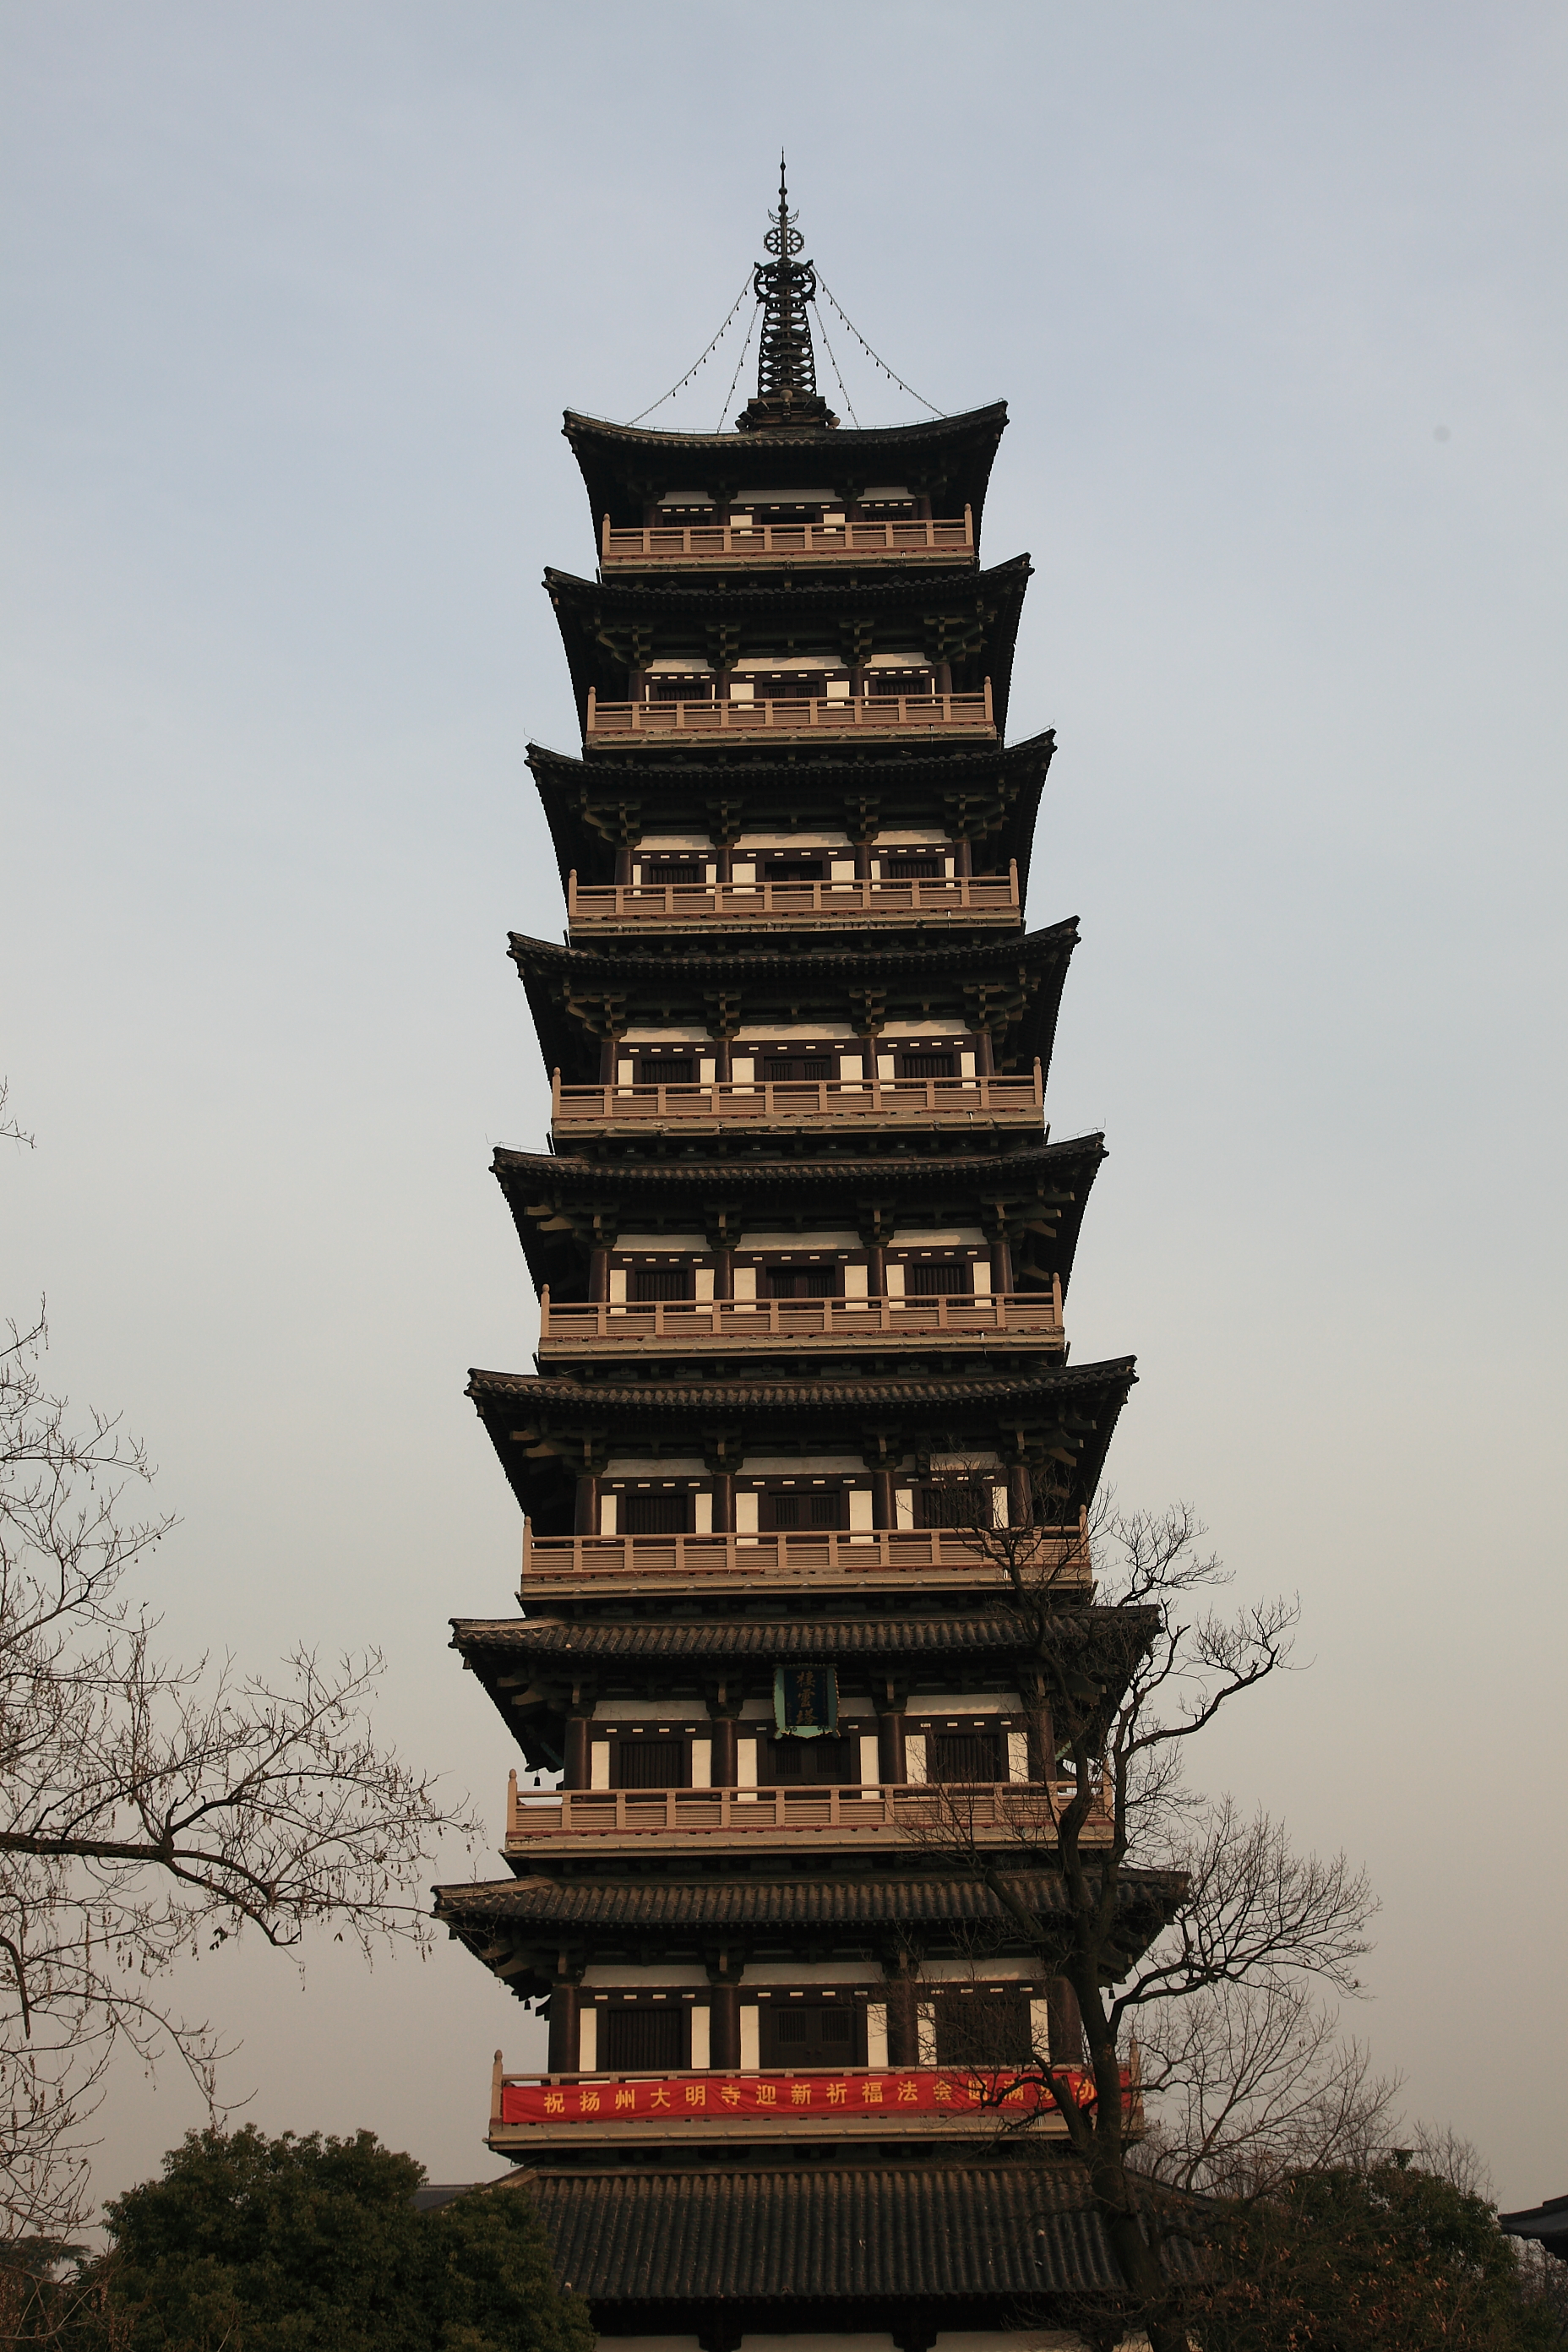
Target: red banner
<point>922,2090</point>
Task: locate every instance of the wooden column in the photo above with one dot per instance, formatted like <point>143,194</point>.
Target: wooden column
<point>1065,2021</point>
<point>1040,1741</point>
<point>882,1511</point>
<point>723,1500</point>
<point>890,1762</point>
<point>606,1061</point>
<point>984,1055</point>
<point>576,1772</point>
<point>903,2023</point>
<point>862,861</point>
<point>623,864</point>
<point>724,2026</point>
<point>1020,1497</point>
<point>725,1743</point>
<point>721,1060</point>
<point>599,1276</point>
<point>586,1521</point>
<point>962,861</point>
<point>723,1273</point>
<point>877,1272</point>
<point>565,2001</point>
<point>1002,1265</point>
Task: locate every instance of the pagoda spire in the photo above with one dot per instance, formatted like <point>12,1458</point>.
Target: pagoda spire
<point>786,367</point>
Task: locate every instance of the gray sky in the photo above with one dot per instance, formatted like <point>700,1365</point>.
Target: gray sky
<point>296,296</point>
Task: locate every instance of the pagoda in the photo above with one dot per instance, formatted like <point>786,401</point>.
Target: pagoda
<point>802,1246</point>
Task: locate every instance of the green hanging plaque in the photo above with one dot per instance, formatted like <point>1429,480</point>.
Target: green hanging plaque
<point>805,1701</point>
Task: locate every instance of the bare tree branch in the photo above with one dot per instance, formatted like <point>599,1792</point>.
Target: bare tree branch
<point>147,1809</point>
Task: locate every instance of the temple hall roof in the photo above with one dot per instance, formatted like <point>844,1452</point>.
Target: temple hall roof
<point>856,2240</point>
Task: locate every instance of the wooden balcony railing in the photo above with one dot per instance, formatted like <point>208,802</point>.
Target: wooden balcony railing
<point>906,1559</point>
<point>951,540</point>
<point>778,716</point>
<point>667,905</point>
<point>988,1812</point>
<point>801,1102</point>
<point>604,1328</point>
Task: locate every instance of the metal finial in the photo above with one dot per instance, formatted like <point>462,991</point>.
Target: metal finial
<point>786,366</point>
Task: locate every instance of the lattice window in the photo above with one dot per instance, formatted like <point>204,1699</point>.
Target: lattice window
<point>938,1278</point>
<point>654,1282</point>
<point>963,1756</point>
<point>983,2028</point>
<point>640,2041</point>
<point>925,1066</point>
<point>654,1515</point>
<point>785,1514</point>
<point>650,1763</point>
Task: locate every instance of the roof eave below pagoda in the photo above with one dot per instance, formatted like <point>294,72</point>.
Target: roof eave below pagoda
<point>928,2241</point>
<point>570,989</point>
<point>623,465</point>
<point>593,807</point>
<point>548,1429</point>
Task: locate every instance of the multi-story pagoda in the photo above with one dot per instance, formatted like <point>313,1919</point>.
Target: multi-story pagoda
<point>801,1244</point>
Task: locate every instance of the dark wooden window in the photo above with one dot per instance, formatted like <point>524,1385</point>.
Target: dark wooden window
<point>795,869</point>
<point>653,1515</point>
<point>790,1763</point>
<point>652,1282</point>
<point>666,1070</point>
<point>788,686</point>
<point>672,874</point>
<point>914,869</point>
<point>959,1506</point>
<point>666,689</point>
<point>938,1278</point>
<point>925,1066</point>
<point>981,2028</point>
<point>897,681</point>
<point>802,1281</point>
<point>963,1756</point>
<point>809,1509</point>
<point>798,1066</point>
<point>801,2033</point>
<point>638,2040</point>
<point>650,1763</point>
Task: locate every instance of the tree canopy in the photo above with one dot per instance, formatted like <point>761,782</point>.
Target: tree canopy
<point>291,2244</point>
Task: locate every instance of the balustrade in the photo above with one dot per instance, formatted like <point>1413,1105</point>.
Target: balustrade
<point>802,1102</point>
<point>865,714</point>
<point>950,540</point>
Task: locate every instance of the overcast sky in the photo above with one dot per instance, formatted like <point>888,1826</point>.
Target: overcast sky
<point>296,294</point>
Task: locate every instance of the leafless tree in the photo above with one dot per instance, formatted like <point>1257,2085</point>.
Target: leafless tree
<point>1216,2012</point>
<point>149,1809</point>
